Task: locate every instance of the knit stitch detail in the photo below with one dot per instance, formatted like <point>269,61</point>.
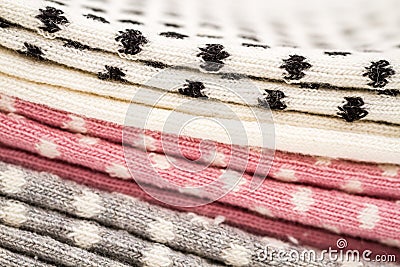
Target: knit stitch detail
<point>132,41</point>
<point>251,222</point>
<point>202,236</point>
<point>52,18</point>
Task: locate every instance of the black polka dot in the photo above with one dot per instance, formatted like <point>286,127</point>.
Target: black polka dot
<point>131,21</point>
<point>353,109</point>
<point>213,56</point>
<point>32,51</point>
<point>172,25</point>
<point>131,40</point>
<point>97,18</point>
<point>4,23</point>
<point>193,89</point>
<point>390,92</point>
<point>112,73</point>
<point>272,99</point>
<point>75,44</point>
<point>95,9</point>
<point>309,85</point>
<point>255,45</point>
<point>249,37</point>
<point>51,18</point>
<point>173,35</point>
<point>155,64</point>
<point>295,65</point>
<point>336,53</point>
<point>378,72</point>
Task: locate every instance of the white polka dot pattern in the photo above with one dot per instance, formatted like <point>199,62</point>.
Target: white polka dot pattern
<point>285,174</point>
<point>48,149</point>
<point>88,204</point>
<point>12,181</point>
<point>353,186</point>
<point>264,211</point>
<point>369,216</point>
<point>161,230</point>
<point>237,255</point>
<point>302,200</point>
<point>390,170</point>
<point>85,234</point>
<point>159,161</point>
<point>176,229</point>
<point>75,124</point>
<point>7,104</point>
<point>157,256</point>
<point>13,213</point>
<point>118,170</point>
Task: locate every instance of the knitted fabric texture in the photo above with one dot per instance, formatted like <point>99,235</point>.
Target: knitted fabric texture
<point>52,74</point>
<point>182,231</point>
<point>332,141</point>
<point>349,104</point>
<point>243,219</point>
<point>377,105</point>
<point>48,248</point>
<point>358,178</point>
<point>90,236</point>
<point>13,259</point>
<point>323,78</point>
<point>318,59</point>
<point>368,217</point>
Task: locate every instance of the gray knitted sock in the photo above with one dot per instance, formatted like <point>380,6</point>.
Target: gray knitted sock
<point>91,236</point>
<point>182,231</point>
<point>49,249</point>
<point>11,259</point>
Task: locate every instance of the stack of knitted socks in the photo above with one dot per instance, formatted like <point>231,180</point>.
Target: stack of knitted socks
<point>73,73</point>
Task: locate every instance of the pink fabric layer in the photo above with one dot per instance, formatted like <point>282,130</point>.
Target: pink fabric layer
<point>358,178</point>
<point>358,216</point>
<point>234,216</point>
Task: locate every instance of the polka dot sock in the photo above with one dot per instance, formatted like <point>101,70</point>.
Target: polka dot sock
<point>241,218</point>
<point>88,220</point>
<point>353,215</point>
<point>359,178</point>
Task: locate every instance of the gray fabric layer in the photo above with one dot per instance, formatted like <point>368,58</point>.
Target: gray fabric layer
<point>12,259</point>
<point>180,231</point>
<point>117,244</point>
<point>49,249</point>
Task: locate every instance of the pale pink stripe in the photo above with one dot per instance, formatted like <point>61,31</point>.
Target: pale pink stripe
<point>354,215</point>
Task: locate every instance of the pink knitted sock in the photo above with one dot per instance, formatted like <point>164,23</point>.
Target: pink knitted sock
<point>359,178</point>
<point>353,215</point>
<point>238,217</point>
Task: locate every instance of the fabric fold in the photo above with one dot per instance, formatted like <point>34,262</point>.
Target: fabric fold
<point>304,204</point>
<point>181,231</point>
<point>142,43</point>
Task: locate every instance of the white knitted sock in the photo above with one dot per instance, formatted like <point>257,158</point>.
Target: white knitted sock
<point>325,141</point>
<point>328,44</point>
<point>256,93</point>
